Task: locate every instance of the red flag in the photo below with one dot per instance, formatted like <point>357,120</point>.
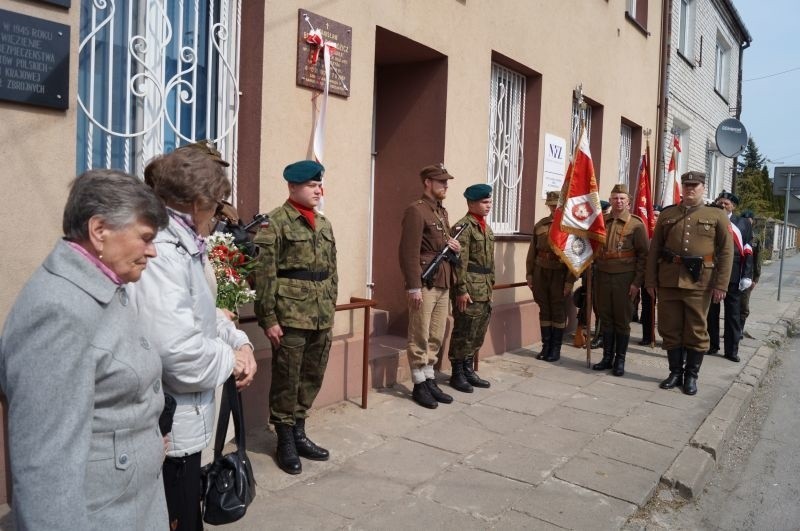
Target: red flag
<point>672,171</point>
<point>643,204</point>
<point>578,229</point>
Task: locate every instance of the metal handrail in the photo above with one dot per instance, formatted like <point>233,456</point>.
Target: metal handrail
<point>354,304</point>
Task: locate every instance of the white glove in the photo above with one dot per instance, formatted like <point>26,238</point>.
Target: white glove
<point>745,283</point>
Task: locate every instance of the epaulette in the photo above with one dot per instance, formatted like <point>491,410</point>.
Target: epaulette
<point>637,217</point>
<point>668,207</point>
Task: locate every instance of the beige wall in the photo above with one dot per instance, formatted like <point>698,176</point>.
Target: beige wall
<point>37,161</point>
<point>588,42</point>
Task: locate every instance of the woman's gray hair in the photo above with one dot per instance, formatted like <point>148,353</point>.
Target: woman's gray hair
<point>117,197</point>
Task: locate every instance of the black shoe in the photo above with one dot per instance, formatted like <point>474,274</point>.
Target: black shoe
<point>645,342</point>
<point>546,333</point>
<point>286,452</point>
<point>457,379</point>
<point>693,361</point>
<point>597,342</point>
<point>733,357</point>
<point>621,350</point>
<point>713,350</point>
<point>608,352</point>
<point>422,396</point>
<point>305,446</point>
<point>436,393</point>
<point>472,377</point>
<point>675,378</point>
<point>556,336</point>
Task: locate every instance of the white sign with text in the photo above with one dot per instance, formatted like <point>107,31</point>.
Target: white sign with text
<point>555,156</point>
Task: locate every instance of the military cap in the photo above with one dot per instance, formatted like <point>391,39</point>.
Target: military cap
<point>729,196</point>
<point>207,147</point>
<point>693,177</point>
<point>747,214</point>
<point>604,204</point>
<point>476,192</point>
<point>552,198</point>
<point>619,188</point>
<point>436,172</point>
<point>303,171</point>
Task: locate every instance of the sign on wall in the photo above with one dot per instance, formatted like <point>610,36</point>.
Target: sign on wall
<point>318,37</point>
<point>34,61</point>
<point>555,156</point>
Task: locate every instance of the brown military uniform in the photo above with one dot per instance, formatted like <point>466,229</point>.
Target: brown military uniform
<point>425,233</point>
<point>681,231</point>
<point>548,275</point>
<point>620,264</point>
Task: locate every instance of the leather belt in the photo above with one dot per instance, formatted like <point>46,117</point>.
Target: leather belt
<point>474,268</point>
<point>303,274</point>
<point>546,255</point>
<point>621,254</point>
<point>678,259</point>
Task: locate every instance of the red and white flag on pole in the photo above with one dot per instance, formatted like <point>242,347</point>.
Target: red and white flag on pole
<point>672,171</point>
<point>643,204</point>
<point>578,229</point>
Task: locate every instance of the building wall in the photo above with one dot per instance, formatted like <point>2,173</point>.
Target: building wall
<point>693,101</point>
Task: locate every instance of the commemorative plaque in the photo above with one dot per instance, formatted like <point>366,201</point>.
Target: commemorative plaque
<point>314,33</point>
<point>34,61</point>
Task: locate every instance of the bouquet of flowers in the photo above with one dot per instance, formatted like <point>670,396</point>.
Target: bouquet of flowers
<point>231,269</point>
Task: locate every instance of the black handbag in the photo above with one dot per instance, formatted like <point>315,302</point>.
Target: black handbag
<point>228,483</point>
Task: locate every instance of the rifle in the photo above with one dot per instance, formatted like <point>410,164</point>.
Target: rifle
<point>445,254</point>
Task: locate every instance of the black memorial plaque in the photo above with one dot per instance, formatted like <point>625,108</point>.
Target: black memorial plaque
<point>310,74</point>
<point>34,61</point>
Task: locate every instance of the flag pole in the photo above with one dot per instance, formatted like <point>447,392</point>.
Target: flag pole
<point>582,105</point>
<point>652,299</point>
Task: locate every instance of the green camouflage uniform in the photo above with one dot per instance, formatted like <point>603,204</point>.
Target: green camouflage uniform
<point>304,308</point>
<point>474,275</point>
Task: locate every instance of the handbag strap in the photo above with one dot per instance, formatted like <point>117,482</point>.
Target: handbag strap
<point>231,404</point>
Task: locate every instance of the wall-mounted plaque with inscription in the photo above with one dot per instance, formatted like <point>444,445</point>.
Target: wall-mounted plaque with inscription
<point>34,60</point>
<point>310,53</point>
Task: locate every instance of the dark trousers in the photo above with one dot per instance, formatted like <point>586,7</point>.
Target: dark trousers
<point>646,317</point>
<point>182,490</point>
<point>733,321</point>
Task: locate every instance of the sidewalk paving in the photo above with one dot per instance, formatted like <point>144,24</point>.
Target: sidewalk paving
<point>549,446</point>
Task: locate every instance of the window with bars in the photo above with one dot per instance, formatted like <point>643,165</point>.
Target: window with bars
<point>152,77</point>
<point>506,140</point>
<point>625,140</point>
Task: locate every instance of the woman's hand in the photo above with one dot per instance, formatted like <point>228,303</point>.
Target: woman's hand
<point>245,368</point>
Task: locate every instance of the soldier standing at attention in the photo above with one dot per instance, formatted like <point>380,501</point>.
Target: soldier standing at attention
<point>296,288</point>
<point>472,291</point>
<point>689,263</point>
<point>426,232</point>
<point>551,283</point>
<point>741,279</point>
<point>620,272</point>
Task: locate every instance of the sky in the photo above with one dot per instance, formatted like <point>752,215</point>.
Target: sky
<point>770,106</point>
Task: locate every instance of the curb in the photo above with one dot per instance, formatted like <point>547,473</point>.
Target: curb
<point>693,467</point>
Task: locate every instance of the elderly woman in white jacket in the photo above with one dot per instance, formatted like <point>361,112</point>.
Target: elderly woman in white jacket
<point>199,346</point>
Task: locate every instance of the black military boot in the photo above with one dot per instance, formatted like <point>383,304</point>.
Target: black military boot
<point>546,332</point>
<point>608,352</point>
<point>472,376</point>
<point>422,396</point>
<point>305,446</point>
<point>693,361</point>
<point>457,379</point>
<point>556,336</point>
<point>621,350</point>
<point>286,453</point>
<point>438,394</point>
<point>597,341</point>
<point>675,378</point>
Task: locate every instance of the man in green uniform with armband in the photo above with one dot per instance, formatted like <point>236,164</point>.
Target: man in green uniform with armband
<point>296,287</point>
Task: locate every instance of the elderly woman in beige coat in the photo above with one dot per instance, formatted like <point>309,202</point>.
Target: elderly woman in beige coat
<point>82,381</point>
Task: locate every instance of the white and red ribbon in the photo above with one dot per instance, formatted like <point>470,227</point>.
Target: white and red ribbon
<point>319,44</point>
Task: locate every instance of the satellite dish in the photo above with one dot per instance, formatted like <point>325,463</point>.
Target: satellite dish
<point>731,137</point>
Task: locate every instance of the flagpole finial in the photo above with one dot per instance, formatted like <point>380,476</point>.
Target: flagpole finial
<point>578,93</point>
<point>647,133</point>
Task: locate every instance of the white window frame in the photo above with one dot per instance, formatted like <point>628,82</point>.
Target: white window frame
<point>722,66</point>
<point>716,165</point>
<point>686,19</point>
<point>625,145</point>
<point>506,143</point>
<point>172,78</point>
